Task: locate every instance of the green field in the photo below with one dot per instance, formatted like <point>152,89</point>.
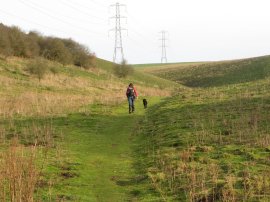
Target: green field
<point>149,68</point>
<point>211,142</point>
<point>71,132</point>
<point>100,158</point>
<point>68,137</point>
<point>217,73</point>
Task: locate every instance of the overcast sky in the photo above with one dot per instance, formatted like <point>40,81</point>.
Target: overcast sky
<point>198,30</point>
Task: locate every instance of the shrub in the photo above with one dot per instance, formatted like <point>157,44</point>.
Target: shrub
<point>54,49</point>
<point>14,42</point>
<point>123,70</point>
<point>38,67</point>
<point>82,57</point>
<point>82,60</point>
<point>5,47</point>
<point>17,41</point>
<point>32,43</point>
<point>54,70</point>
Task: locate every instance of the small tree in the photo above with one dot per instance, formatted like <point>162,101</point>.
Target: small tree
<point>54,49</point>
<point>18,40</point>
<point>32,41</point>
<point>123,70</point>
<point>55,70</point>
<point>5,46</point>
<point>38,67</point>
<point>82,56</point>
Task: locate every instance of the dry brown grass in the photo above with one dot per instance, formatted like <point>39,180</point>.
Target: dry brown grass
<point>23,95</point>
<point>18,173</point>
<point>60,93</point>
<point>51,103</point>
<point>146,91</point>
<point>24,157</point>
<point>168,67</point>
<point>31,104</point>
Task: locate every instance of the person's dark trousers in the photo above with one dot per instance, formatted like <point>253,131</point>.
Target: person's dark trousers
<point>131,104</point>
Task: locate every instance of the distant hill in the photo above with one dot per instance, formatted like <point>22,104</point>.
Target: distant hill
<point>211,142</point>
<point>216,73</point>
<point>161,66</point>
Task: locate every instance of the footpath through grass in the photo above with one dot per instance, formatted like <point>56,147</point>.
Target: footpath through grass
<point>102,162</point>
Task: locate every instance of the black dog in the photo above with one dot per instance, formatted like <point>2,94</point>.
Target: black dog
<point>145,103</point>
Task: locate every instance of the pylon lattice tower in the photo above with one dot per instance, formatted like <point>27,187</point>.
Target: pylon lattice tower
<point>163,47</point>
<point>118,55</point>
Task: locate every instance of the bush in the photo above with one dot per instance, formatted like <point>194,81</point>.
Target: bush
<point>17,41</point>
<point>38,67</point>
<point>81,54</point>
<point>123,70</point>
<point>54,49</point>
<point>32,43</point>
<point>5,47</point>
<point>14,42</point>
<point>54,70</point>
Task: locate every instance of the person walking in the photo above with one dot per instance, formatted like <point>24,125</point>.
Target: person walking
<point>131,94</point>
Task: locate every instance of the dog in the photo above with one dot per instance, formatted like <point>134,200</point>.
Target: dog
<point>145,103</point>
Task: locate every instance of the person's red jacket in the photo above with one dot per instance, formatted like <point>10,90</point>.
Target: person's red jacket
<point>135,92</point>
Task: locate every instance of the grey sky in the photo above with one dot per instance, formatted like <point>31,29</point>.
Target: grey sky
<point>198,30</point>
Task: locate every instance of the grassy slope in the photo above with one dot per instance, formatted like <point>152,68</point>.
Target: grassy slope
<point>219,73</point>
<point>186,140</point>
<point>139,78</point>
<point>67,90</point>
<point>93,155</point>
<point>148,68</point>
<point>213,143</point>
<point>102,150</point>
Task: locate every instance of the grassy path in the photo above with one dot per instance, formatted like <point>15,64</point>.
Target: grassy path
<point>101,151</point>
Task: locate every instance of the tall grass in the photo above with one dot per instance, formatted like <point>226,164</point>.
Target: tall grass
<point>68,91</point>
<point>28,140</point>
<point>18,173</point>
<point>211,144</point>
<point>23,157</point>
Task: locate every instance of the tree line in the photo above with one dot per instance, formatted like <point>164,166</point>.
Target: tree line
<point>15,42</point>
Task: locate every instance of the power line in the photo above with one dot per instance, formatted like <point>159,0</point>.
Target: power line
<point>142,36</point>
<point>41,25</point>
<point>104,8</point>
<point>142,48</point>
<point>30,21</point>
<point>163,47</point>
<point>81,11</point>
<point>139,33</point>
<point>118,46</point>
<point>98,3</point>
<point>56,18</point>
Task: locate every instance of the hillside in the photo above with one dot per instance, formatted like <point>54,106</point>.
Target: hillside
<point>149,68</point>
<point>212,143</point>
<point>216,73</point>
<point>68,136</point>
<point>57,132</point>
<point>68,89</point>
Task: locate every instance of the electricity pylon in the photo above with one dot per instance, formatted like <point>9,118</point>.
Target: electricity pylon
<point>163,47</point>
<point>118,54</point>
